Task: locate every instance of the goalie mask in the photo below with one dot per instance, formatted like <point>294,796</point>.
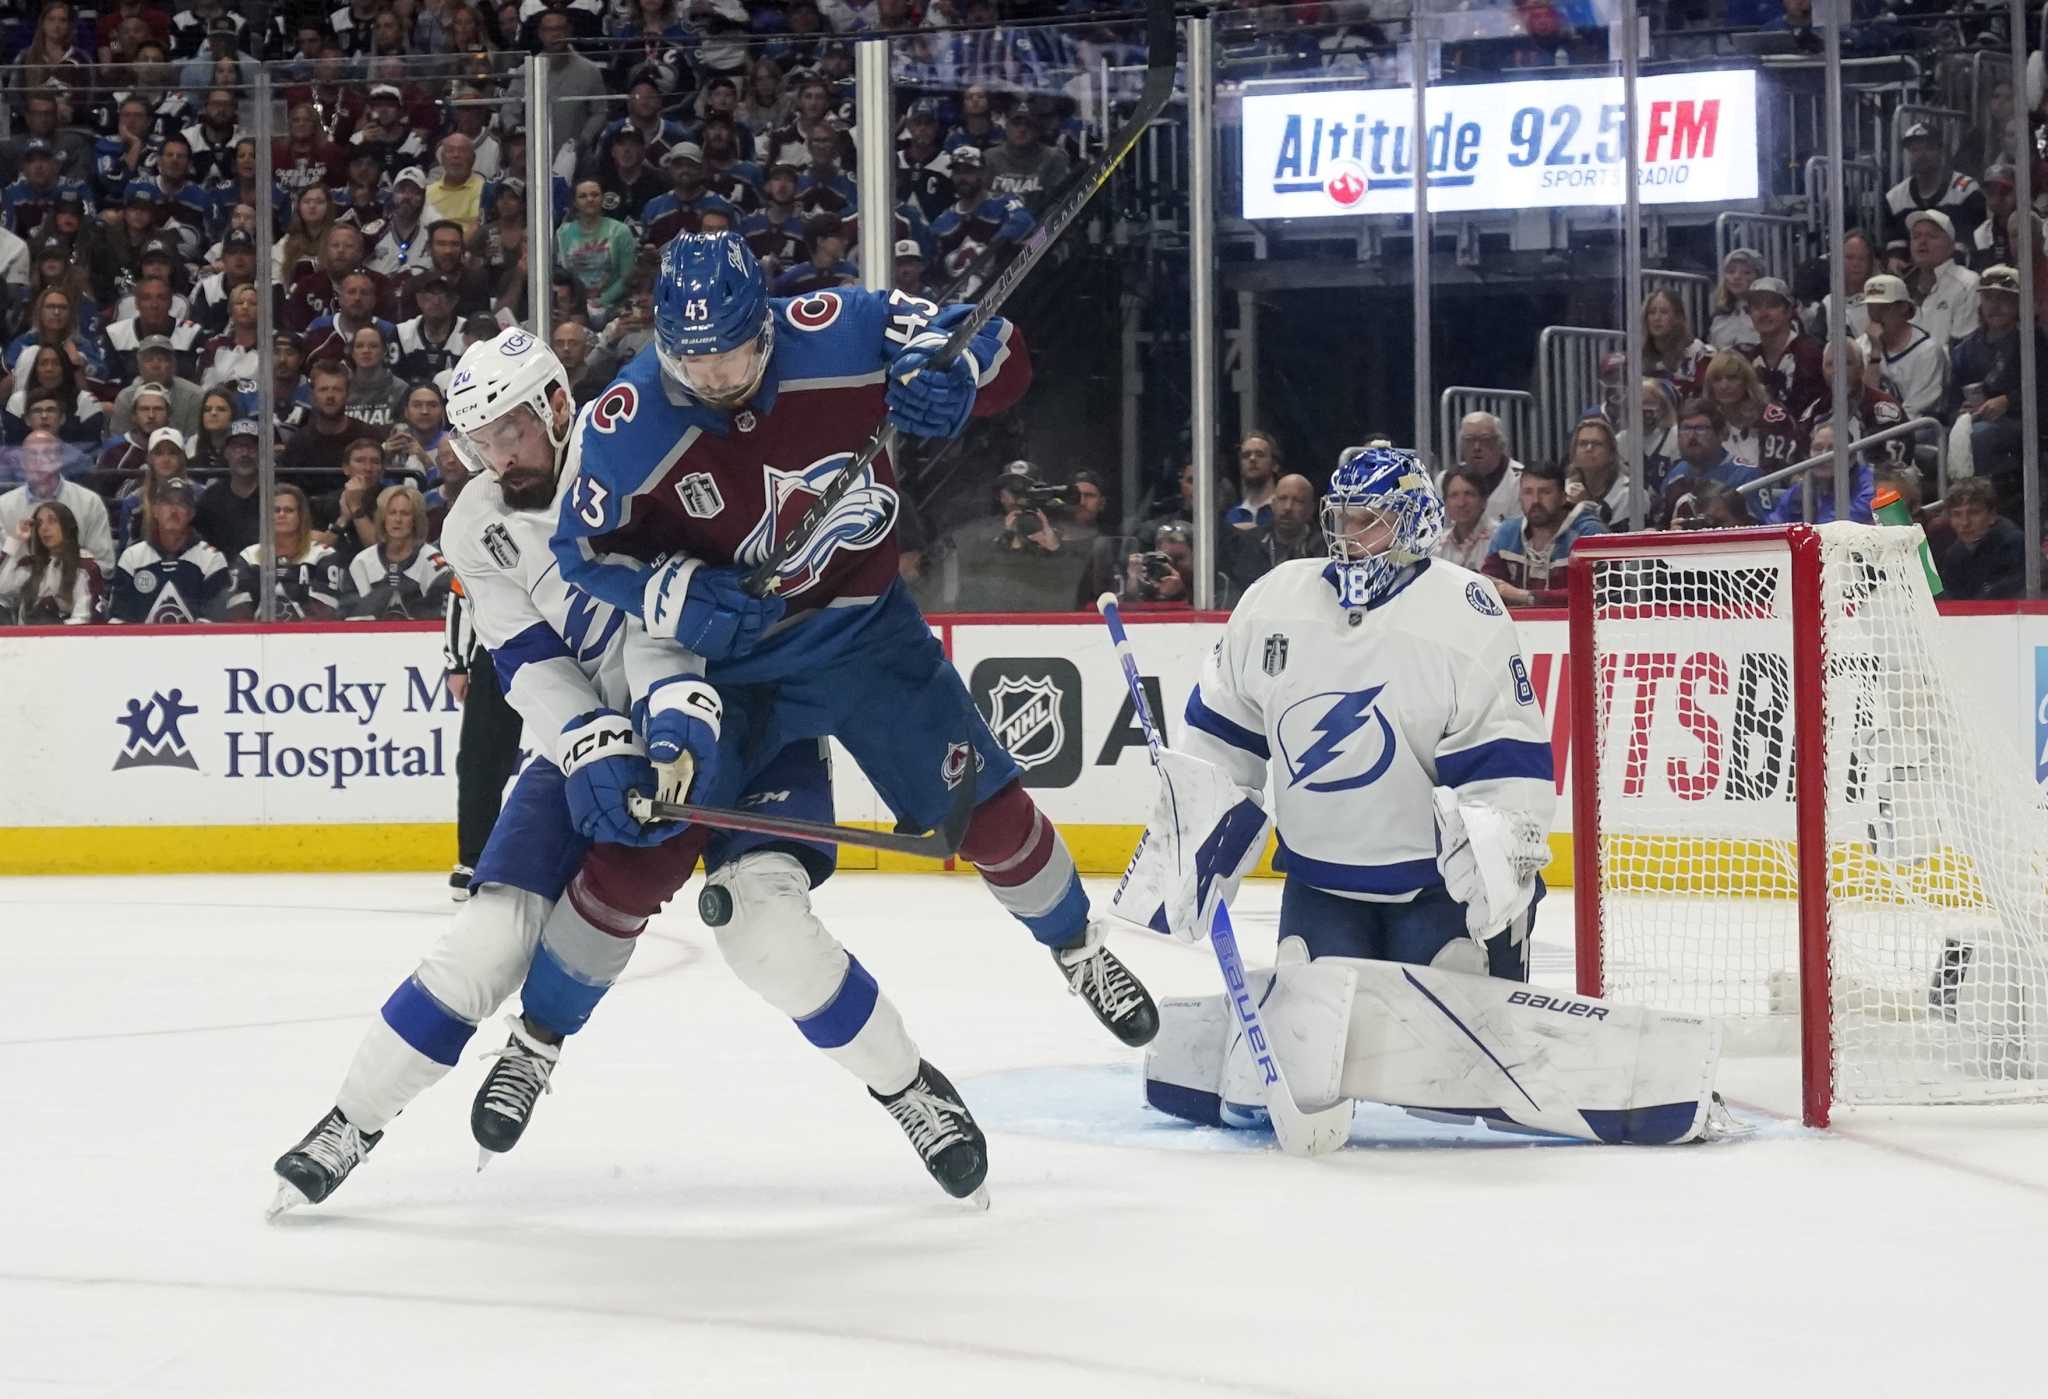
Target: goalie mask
<point>1380,516</point>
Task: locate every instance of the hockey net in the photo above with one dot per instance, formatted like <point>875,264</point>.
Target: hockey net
<point>1798,818</point>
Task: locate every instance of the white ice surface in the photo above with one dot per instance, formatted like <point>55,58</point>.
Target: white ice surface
<point>707,1207</point>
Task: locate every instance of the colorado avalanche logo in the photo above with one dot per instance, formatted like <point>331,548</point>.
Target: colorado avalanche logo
<point>1344,736</point>
<point>816,312</point>
<point>861,520</point>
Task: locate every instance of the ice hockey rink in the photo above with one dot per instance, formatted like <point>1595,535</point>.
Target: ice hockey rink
<point>705,1206</point>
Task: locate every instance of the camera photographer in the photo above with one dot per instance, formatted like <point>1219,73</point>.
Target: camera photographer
<point>1017,560</point>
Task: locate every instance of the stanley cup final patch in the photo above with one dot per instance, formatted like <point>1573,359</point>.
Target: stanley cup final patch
<point>1275,659</point>
<point>498,544</point>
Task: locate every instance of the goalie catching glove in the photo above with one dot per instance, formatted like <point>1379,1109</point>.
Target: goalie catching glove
<point>1488,858</point>
<point>1205,835</point>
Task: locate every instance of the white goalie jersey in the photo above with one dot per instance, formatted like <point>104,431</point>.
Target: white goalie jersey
<point>559,652</point>
<point>1359,714</point>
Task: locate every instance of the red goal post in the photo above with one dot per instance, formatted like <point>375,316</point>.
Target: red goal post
<point>1783,805</point>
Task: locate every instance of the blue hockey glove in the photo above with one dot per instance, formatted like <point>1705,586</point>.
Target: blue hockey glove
<point>706,609</point>
<point>680,717</point>
<point>604,763</point>
<point>933,402</point>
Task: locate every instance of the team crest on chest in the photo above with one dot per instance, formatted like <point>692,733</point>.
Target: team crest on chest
<point>861,520</point>
<point>700,496</point>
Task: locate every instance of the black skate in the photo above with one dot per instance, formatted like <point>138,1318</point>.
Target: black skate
<point>932,1115</point>
<point>316,1167</point>
<point>505,1102</point>
<point>458,883</point>
<point>1119,1000</point>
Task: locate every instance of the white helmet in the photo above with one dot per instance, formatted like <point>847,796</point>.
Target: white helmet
<point>496,376</point>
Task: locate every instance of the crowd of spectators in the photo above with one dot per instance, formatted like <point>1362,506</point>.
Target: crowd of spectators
<point>129,193</point>
<point>129,198</point>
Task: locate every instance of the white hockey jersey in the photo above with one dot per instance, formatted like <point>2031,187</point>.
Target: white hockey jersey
<point>559,652</point>
<point>1358,713</point>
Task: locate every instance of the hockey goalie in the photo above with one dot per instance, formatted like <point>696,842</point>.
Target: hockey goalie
<point>1385,696</point>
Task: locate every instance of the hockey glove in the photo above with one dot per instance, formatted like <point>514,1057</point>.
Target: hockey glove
<point>604,763</point>
<point>926,401</point>
<point>1488,858</point>
<point>680,717</point>
<point>706,609</point>
<point>1206,832</point>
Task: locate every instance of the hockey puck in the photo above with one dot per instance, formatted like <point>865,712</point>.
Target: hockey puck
<point>714,906</point>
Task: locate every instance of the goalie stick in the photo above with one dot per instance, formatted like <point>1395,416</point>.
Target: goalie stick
<point>1299,1133</point>
<point>937,845</point>
<point>1060,212</point>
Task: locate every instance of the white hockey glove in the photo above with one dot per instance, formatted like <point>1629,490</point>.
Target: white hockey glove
<point>1488,858</point>
<point>1206,833</point>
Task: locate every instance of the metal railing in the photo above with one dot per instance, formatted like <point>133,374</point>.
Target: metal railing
<point>1516,409</point>
<point>1568,377</point>
<point>1912,427</point>
<point>1785,241</point>
<point>1863,190</point>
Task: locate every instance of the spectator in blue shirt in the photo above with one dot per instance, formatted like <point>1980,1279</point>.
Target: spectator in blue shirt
<point>1791,506</point>
<point>1529,552</point>
<point>1703,460</point>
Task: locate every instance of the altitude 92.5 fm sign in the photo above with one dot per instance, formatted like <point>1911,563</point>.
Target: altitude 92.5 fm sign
<point>1518,145</point>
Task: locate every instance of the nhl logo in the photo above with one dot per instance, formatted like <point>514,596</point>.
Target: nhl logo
<point>1276,654</point>
<point>1024,712</point>
<point>700,495</point>
<point>746,421</point>
<point>1033,707</point>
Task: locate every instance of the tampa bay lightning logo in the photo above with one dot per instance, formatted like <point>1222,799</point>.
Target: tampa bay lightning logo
<point>860,520</point>
<point>1340,737</point>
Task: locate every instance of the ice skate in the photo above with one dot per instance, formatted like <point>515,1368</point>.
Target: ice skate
<point>505,1102</point>
<point>940,1127</point>
<point>1118,999</point>
<point>316,1167</point>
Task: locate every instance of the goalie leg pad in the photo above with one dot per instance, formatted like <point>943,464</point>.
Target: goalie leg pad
<point>785,955</point>
<point>1200,1069</point>
<point>1484,1047</point>
<point>429,1018</point>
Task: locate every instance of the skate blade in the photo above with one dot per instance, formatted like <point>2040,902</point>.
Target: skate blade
<point>979,1199</point>
<point>484,1157</point>
<point>288,1197</point>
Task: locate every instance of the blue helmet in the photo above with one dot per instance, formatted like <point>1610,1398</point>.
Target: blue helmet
<point>1380,515</point>
<point>713,325</point>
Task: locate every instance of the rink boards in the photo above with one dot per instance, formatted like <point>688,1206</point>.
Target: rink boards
<point>311,747</point>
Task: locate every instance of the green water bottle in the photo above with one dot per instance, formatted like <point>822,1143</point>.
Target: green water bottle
<point>1891,510</point>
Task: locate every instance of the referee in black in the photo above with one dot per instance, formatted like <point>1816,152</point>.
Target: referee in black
<point>487,753</point>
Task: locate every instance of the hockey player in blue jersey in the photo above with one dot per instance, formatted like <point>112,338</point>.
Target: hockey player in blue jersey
<point>707,450</point>
<point>570,875</point>
<point>1384,697</point>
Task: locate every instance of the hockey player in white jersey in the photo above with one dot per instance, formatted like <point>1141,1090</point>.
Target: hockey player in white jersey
<point>570,875</point>
<point>1385,697</point>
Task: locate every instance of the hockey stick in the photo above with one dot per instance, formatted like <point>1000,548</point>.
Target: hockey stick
<point>1060,212</point>
<point>1299,1133</point>
<point>937,845</point>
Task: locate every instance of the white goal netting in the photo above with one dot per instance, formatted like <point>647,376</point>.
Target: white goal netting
<point>1936,897</point>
